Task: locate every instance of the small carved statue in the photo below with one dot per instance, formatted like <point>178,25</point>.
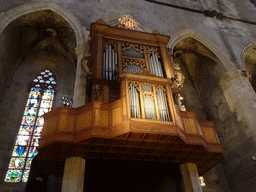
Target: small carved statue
<point>96,91</point>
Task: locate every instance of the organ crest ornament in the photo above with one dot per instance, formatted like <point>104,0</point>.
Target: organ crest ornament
<point>127,22</point>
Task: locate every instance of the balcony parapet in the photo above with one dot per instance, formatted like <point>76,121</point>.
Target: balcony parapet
<point>186,139</point>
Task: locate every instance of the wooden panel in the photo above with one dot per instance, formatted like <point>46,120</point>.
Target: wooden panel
<point>102,118</point>
<point>209,134</point>
<point>179,121</point>
<point>190,125</point>
<point>66,122</point>
<point>50,125</point>
<point>84,120</point>
<point>116,116</point>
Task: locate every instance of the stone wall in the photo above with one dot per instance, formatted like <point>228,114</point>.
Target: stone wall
<point>229,100</point>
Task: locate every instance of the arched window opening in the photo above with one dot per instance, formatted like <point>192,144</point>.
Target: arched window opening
<point>39,102</point>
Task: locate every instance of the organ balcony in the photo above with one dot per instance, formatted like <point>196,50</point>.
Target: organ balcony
<point>142,122</point>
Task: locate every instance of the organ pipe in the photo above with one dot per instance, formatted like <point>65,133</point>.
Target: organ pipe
<point>163,105</point>
<point>155,65</point>
<point>110,63</point>
<point>134,102</point>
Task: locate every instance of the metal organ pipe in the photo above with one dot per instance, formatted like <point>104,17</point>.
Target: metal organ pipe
<point>104,65</point>
<point>116,65</point>
<point>166,106</point>
<point>155,63</point>
<point>107,60</point>
<point>113,63</point>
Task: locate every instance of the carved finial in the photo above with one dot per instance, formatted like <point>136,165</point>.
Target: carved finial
<point>127,22</point>
<point>101,21</point>
<point>155,31</point>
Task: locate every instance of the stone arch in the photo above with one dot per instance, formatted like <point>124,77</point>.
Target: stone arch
<point>224,63</point>
<point>11,15</point>
<point>244,50</point>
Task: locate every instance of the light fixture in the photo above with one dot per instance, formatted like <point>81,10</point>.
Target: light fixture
<point>66,101</point>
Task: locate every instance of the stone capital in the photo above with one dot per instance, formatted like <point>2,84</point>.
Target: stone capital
<point>81,51</point>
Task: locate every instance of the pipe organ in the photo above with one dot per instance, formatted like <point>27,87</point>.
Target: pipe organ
<point>133,114</point>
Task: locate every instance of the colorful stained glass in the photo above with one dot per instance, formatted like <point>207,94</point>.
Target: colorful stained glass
<point>27,141</point>
<point>38,131</point>
<point>13,176</point>
<point>32,152</point>
<point>35,93</point>
<point>25,176</point>
<point>25,130</point>
<point>42,111</point>
<point>28,120</point>
<point>40,121</point>
<point>17,163</point>
<point>35,141</point>
<point>32,103</point>
<point>46,104</point>
<point>22,140</point>
<point>30,111</point>
<point>20,151</point>
<point>28,163</point>
<point>48,94</point>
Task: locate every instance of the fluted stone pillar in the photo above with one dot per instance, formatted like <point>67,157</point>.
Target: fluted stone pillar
<point>73,177</point>
<point>190,178</point>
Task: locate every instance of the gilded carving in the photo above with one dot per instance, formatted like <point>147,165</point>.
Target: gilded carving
<point>107,42</point>
<point>179,78</point>
<point>127,62</point>
<point>146,73</point>
<point>96,92</point>
<point>85,61</point>
<point>135,84</point>
<point>128,46</point>
<point>153,49</point>
<point>127,22</point>
<point>148,96</point>
<point>160,86</point>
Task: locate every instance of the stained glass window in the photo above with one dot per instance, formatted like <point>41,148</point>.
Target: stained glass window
<point>39,102</point>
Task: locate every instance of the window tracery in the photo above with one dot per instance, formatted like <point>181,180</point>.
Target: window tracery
<point>39,102</point>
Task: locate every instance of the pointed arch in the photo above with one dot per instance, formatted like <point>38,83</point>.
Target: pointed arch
<point>244,50</point>
<point>224,63</point>
<point>11,15</point>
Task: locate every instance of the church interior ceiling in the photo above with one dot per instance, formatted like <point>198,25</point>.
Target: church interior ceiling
<point>48,32</point>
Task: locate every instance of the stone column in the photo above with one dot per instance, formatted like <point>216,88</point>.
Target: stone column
<point>190,178</point>
<point>79,95</point>
<point>73,177</point>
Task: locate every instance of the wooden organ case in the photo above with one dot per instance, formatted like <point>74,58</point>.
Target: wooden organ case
<point>131,113</point>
